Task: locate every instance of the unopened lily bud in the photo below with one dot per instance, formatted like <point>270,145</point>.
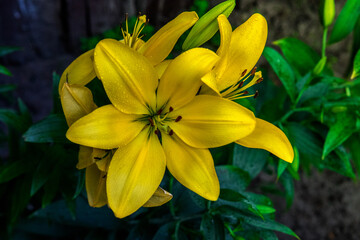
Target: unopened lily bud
<point>327,12</point>
<point>206,27</point>
<point>320,66</point>
<point>356,69</point>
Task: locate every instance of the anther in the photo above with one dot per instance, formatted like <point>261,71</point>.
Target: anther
<point>151,122</point>
<point>178,118</point>
<point>253,71</point>
<point>256,94</point>
<point>241,84</point>
<point>159,111</point>
<point>104,175</point>
<point>245,92</point>
<point>171,109</point>
<point>97,158</point>
<point>156,132</point>
<point>259,80</point>
<point>171,132</point>
<point>243,73</point>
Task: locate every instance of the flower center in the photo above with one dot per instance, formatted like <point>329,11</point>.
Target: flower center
<point>238,90</point>
<point>134,40</point>
<point>158,122</point>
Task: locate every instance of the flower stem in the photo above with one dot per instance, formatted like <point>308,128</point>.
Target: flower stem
<point>171,205</point>
<point>323,54</point>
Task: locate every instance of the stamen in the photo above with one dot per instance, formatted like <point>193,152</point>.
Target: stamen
<point>259,80</point>
<point>241,84</point>
<point>159,111</point>
<point>243,73</point>
<point>178,118</point>
<point>245,92</point>
<point>171,109</point>
<point>151,122</point>
<point>253,71</point>
<point>171,132</point>
<point>156,132</point>
<point>256,94</point>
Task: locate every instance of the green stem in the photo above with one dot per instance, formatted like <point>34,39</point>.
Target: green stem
<point>171,204</point>
<point>288,114</point>
<point>324,42</point>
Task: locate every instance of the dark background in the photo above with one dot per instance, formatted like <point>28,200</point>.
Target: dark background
<point>326,205</point>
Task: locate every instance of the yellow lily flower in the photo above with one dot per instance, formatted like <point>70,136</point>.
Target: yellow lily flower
<point>77,101</point>
<point>239,51</point>
<point>81,71</point>
<point>158,124</point>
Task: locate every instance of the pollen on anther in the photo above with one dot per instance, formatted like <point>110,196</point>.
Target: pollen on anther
<point>259,80</point>
<point>243,73</point>
<point>171,109</point>
<point>178,118</point>
<point>253,71</point>
<point>256,94</point>
<point>241,84</point>
<point>159,111</point>
<point>245,92</point>
<point>151,122</point>
<point>171,132</point>
<point>156,132</point>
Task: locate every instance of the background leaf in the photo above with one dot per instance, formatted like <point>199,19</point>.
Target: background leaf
<point>282,70</point>
<point>346,20</point>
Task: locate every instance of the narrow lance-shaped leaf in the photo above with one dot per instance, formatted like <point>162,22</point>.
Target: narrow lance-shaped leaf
<point>207,25</point>
<point>345,23</point>
<point>5,71</point>
<point>356,69</point>
<point>339,132</point>
<point>282,69</point>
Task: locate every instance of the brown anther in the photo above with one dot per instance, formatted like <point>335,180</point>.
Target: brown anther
<point>159,111</point>
<point>243,73</point>
<point>259,80</point>
<point>241,84</point>
<point>171,109</point>
<point>151,122</point>
<point>178,118</point>
<point>256,94</point>
<point>253,71</point>
<point>156,132</point>
<point>104,175</point>
<point>245,92</point>
<point>171,132</point>
<point>97,158</point>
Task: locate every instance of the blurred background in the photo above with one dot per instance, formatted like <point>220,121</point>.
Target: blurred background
<point>51,34</point>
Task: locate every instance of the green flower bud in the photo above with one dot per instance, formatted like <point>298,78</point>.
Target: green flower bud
<point>320,66</point>
<point>207,25</point>
<point>327,12</point>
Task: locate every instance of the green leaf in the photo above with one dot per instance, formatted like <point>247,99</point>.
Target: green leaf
<point>5,71</point>
<point>232,177</point>
<point>263,209</point>
<point>267,235</point>
<point>317,90</point>
<point>351,102</point>
<point>51,188</point>
<point>269,225</point>
<point>19,198</point>
<point>341,130</point>
<point>281,168</point>
<point>233,196</point>
<point>7,88</point>
<point>356,68</point>
<point>288,183</point>
<point>250,160</point>
<point>7,50</point>
<point>207,25</point>
<point>212,227</point>
<point>353,145</point>
<point>345,22</point>
<point>13,170</point>
<point>302,57</point>
<point>80,184</point>
<point>41,175</point>
<point>296,162</point>
<point>51,129</point>
<point>339,161</point>
<point>12,119</point>
<point>282,69</point>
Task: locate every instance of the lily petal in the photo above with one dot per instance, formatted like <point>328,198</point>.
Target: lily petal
<point>210,121</point>
<point>192,167</point>
<point>95,183</point>
<point>158,47</point>
<point>80,71</point>
<point>161,67</point>
<point>210,87</point>
<point>102,158</point>
<point>135,172</point>
<point>128,77</point>
<point>225,30</point>
<point>105,128</point>
<point>247,44</point>
<point>85,157</point>
<point>160,197</point>
<point>269,137</point>
<point>77,101</point>
<point>182,78</point>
